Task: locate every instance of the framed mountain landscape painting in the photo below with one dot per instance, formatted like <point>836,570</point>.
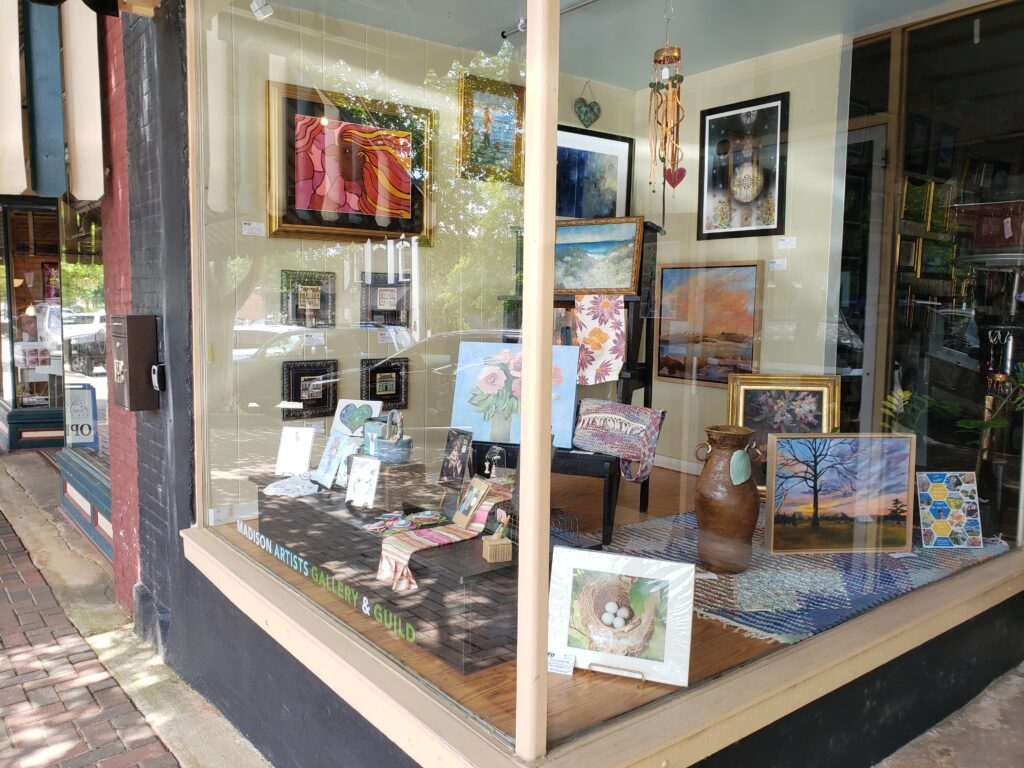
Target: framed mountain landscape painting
<point>598,255</point>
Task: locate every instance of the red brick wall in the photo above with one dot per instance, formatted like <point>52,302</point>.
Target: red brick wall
<point>117,289</point>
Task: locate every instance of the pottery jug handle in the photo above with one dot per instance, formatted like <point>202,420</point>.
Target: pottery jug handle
<point>754,452</point>
<point>702,447</point>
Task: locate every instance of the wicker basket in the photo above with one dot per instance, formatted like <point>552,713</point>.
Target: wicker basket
<point>630,640</point>
<point>395,448</point>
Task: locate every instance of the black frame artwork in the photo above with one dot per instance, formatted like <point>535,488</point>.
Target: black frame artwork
<point>370,313</point>
<point>298,373</point>
<point>743,154</point>
<point>292,283</point>
<point>374,371</point>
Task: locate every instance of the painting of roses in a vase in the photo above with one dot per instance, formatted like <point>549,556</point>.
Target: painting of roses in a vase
<point>488,389</point>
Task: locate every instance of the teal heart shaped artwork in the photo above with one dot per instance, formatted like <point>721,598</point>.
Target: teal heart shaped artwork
<point>354,418</point>
<point>587,111</point>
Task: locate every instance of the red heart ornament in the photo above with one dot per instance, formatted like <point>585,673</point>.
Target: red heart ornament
<point>674,176</point>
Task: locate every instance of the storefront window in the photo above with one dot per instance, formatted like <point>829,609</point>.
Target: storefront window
<point>6,350</point>
<point>809,346</point>
<point>35,317</point>
<point>85,331</point>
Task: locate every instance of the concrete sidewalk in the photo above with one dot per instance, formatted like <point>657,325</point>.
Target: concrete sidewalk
<point>77,687</point>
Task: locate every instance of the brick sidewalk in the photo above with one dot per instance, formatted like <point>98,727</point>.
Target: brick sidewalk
<point>58,704</point>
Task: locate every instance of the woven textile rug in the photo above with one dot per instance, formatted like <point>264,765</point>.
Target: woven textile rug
<point>791,597</point>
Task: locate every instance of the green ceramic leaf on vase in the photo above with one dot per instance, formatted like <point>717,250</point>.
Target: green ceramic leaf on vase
<point>739,467</point>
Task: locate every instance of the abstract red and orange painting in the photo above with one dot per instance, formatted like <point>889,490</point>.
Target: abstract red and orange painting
<point>343,167</point>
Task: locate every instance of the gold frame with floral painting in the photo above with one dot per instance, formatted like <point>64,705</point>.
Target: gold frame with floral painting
<point>482,92</point>
<point>821,393</point>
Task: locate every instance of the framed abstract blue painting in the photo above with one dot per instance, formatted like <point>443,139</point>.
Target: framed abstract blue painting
<point>592,176</point>
<point>488,386</point>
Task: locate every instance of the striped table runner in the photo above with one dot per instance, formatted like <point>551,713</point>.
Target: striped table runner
<point>396,550</point>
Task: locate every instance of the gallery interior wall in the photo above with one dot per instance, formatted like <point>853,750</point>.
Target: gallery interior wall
<point>468,265</point>
<point>795,311</point>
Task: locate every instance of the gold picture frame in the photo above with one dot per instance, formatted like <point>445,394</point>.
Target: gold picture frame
<point>917,201</point>
<point>903,263</point>
<point>491,142</point>
<point>393,141</point>
<point>740,407</point>
<point>624,236</point>
<point>854,503</point>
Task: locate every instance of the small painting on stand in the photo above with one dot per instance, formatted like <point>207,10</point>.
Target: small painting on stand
<point>598,255</point>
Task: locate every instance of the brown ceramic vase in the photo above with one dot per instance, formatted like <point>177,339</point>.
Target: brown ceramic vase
<point>726,512</point>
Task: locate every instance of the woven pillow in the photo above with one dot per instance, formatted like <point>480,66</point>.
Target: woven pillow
<point>627,431</point>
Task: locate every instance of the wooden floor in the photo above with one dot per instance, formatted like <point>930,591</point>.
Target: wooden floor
<point>575,703</point>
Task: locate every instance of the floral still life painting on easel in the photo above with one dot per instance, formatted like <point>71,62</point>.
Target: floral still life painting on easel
<point>488,388</point>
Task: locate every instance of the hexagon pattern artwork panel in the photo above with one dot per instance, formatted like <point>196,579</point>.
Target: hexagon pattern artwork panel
<point>949,509</point>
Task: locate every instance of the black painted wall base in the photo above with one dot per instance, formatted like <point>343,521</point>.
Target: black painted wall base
<point>873,716</point>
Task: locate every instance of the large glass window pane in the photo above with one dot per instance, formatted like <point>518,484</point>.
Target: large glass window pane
<point>33,243</point>
<point>85,331</point>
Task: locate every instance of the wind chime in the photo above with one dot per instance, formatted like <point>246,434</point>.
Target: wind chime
<point>665,112</point>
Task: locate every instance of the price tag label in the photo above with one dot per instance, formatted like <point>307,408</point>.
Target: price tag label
<point>561,663</point>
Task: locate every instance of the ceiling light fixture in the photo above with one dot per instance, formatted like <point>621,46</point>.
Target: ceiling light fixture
<point>261,9</point>
<point>521,24</point>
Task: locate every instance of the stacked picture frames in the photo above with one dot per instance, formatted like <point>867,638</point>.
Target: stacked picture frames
<point>950,511</point>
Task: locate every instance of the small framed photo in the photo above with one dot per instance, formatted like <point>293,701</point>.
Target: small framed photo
<point>778,403</point>
<point>384,303</point>
<point>743,169</point>
<point>313,383</point>
<point>455,461</point>
<point>936,262</point>
<point>491,119</point>
<point>840,493</point>
<point>917,200</point>
<point>471,499</point>
<point>593,174</point>
<point>918,143</point>
<point>908,252</point>
<point>386,380</point>
<point>621,614</point>
<point>307,298</point>
<point>362,481</point>
<point>950,515</point>
<point>598,255</point>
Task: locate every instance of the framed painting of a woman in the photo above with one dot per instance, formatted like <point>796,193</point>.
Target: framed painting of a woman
<point>347,168</point>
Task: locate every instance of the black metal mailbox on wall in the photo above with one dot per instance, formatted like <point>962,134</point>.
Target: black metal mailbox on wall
<point>134,352</point>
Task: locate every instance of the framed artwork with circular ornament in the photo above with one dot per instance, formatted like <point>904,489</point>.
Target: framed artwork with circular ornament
<point>743,169</point>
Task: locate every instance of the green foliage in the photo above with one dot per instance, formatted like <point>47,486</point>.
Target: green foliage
<point>81,285</point>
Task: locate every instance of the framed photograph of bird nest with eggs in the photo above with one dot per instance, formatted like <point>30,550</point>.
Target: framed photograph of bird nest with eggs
<point>621,615</point>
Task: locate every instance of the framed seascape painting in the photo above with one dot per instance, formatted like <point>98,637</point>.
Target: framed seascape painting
<point>491,129</point>
<point>709,321</point>
<point>840,493</point>
<point>592,175</point>
<point>621,614</point>
<point>311,383</point>
<point>307,298</point>
<point>743,169</point>
<point>950,515</point>
<point>784,404</point>
<point>598,255</point>
<point>488,388</point>
<point>386,380</point>
<point>347,168</point>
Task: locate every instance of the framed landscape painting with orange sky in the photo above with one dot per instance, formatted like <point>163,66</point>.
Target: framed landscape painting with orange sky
<point>709,321</point>
<point>840,493</point>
